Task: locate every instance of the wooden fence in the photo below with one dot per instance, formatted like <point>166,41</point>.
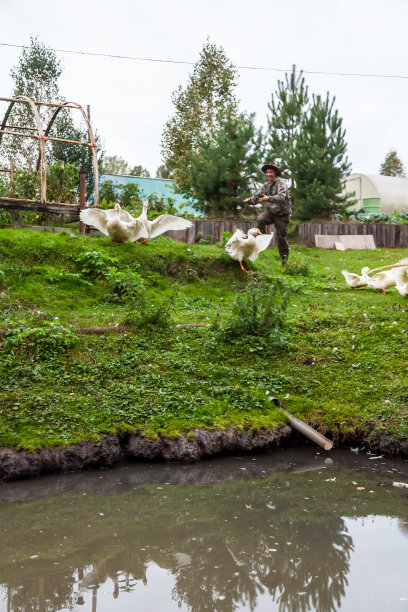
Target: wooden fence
<point>387,235</point>
<point>212,230</point>
<point>208,230</point>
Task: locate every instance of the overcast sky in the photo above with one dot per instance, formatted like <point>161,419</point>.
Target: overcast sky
<point>130,100</point>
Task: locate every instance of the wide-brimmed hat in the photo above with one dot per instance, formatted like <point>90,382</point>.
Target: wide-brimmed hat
<point>272,166</point>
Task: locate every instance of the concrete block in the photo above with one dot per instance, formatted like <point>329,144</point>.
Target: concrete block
<point>352,241</point>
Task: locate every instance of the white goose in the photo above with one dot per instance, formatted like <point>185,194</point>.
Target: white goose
<point>399,272</point>
<point>161,224</point>
<point>354,280</point>
<point>401,281</point>
<point>247,246</point>
<point>382,281</point>
<point>114,222</point>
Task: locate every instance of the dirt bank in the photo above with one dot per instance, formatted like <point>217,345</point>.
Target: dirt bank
<point>17,464</point>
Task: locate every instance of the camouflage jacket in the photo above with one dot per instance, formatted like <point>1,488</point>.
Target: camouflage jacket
<point>278,197</point>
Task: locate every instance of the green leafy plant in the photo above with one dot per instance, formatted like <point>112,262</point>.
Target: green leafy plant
<point>365,217</point>
<point>64,276</point>
<point>62,183</point>
<point>258,311</point>
<point>296,267</point>
<point>159,205</point>
<point>95,264</point>
<point>27,185</point>
<point>149,312</point>
<point>199,239</point>
<point>123,285</point>
<point>4,185</point>
<point>47,337</point>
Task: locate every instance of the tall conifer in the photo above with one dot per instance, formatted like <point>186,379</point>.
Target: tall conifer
<point>320,162</point>
<point>208,94</point>
<point>287,108</point>
<point>392,165</point>
<point>222,166</point>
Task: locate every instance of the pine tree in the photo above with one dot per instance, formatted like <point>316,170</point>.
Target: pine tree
<point>392,165</point>
<point>320,162</point>
<point>222,165</point>
<point>288,106</point>
<point>207,95</point>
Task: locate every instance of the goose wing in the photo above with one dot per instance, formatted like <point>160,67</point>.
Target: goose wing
<point>236,237</point>
<point>262,243</point>
<point>96,217</point>
<point>354,280</point>
<point>136,229</point>
<point>164,223</point>
<point>123,215</point>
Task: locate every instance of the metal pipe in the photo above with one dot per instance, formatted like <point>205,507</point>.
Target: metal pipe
<point>303,428</point>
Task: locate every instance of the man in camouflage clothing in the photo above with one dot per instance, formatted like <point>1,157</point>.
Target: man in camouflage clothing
<point>276,195</point>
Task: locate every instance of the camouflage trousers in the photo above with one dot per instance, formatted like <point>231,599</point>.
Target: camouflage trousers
<point>281,229</point>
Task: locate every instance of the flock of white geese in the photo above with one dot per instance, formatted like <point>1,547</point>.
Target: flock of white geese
<point>122,227</point>
<point>394,275</point>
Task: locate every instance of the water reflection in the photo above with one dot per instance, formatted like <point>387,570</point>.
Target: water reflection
<point>228,533</point>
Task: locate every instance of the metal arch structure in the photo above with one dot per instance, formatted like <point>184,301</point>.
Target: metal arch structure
<point>42,136</point>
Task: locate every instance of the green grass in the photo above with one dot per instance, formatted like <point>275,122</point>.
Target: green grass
<point>340,362</point>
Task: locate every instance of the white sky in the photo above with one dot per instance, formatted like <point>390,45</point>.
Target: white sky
<point>131,100</point>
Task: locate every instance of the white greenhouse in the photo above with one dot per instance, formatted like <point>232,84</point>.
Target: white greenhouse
<point>377,193</point>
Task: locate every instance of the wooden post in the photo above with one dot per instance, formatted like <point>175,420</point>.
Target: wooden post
<point>12,186</point>
<point>12,190</point>
<point>82,198</point>
<point>62,217</point>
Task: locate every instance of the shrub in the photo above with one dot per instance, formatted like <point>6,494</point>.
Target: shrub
<point>259,311</point>
<point>123,285</point>
<point>4,185</point>
<point>95,264</point>
<point>148,313</point>
<point>62,183</point>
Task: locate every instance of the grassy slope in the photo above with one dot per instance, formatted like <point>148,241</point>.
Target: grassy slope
<point>344,367</point>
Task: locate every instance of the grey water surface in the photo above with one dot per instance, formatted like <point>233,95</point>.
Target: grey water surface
<point>292,530</point>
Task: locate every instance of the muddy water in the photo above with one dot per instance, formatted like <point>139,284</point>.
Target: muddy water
<point>294,530</point>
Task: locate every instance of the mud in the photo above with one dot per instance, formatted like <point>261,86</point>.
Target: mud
<point>198,444</point>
